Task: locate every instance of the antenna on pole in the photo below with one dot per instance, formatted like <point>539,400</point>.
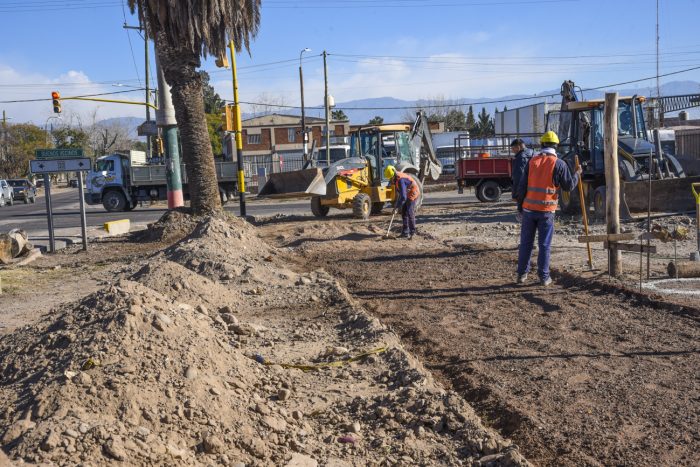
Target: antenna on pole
<point>658,87</point>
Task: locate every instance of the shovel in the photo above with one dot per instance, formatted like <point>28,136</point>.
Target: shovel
<point>393,215</point>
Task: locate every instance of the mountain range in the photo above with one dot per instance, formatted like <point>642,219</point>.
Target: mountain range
<point>396,110</point>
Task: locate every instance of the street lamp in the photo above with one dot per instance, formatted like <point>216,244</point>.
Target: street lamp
<point>303,120</point>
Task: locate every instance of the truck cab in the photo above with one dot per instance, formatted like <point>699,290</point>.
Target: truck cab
<point>108,183</point>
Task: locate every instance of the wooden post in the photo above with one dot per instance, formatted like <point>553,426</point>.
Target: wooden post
<point>612,182</point>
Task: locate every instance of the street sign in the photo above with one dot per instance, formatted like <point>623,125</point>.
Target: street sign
<point>59,165</point>
<point>67,153</point>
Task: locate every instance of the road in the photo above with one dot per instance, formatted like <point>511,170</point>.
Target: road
<point>66,208</point>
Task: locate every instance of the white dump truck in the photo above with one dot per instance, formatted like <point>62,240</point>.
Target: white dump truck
<point>120,181</point>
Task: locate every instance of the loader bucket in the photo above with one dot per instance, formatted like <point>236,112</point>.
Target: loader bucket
<point>671,195</point>
<point>297,184</point>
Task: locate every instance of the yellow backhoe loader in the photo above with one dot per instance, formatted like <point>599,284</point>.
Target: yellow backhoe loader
<point>358,182</point>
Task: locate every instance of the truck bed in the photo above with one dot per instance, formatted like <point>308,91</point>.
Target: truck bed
<point>156,174</point>
<point>487,167</point>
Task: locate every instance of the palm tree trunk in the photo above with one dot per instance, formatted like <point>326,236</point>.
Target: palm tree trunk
<point>180,70</point>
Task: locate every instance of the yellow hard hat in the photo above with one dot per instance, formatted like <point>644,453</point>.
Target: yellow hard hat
<point>549,137</point>
<point>389,172</point>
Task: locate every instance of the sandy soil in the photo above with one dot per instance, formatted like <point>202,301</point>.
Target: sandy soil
<point>586,372</point>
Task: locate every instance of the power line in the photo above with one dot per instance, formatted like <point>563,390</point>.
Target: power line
<point>363,4</point>
<point>463,104</point>
<point>85,95</point>
<point>128,36</point>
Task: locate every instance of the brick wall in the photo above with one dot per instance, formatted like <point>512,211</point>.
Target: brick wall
<point>265,141</point>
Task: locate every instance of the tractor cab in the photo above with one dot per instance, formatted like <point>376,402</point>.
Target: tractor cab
<point>381,146</point>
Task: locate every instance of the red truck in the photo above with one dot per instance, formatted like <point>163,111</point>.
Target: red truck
<point>490,176</point>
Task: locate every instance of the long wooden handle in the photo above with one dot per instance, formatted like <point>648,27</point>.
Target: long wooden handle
<point>582,200</point>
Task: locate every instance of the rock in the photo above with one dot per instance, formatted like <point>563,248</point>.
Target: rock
<point>213,445</point>
<point>215,391</point>
<point>16,430</point>
<point>297,415</point>
<point>115,449</point>
<point>71,433</point>
<point>176,452</point>
<point>226,310</point>
<point>229,318</point>
<point>490,446</point>
<point>303,280</point>
<point>191,372</point>
<point>51,442</point>
<point>275,424</point>
<point>355,427</point>
<point>284,394</point>
<point>161,321</point>
<point>84,428</point>
<point>83,379</point>
<point>243,329</point>
<point>202,309</point>
<point>301,460</point>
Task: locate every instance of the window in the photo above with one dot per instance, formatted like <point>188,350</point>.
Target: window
<point>291,135</point>
<point>105,165</point>
<point>253,139</point>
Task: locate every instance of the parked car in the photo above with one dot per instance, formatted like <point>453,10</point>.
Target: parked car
<point>23,190</point>
<point>73,183</point>
<point>6,194</point>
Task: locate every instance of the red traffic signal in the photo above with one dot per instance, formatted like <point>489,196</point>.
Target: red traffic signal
<point>56,97</point>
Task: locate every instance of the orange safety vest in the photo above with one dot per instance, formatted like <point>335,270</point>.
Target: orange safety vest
<point>413,191</point>
<point>541,192</point>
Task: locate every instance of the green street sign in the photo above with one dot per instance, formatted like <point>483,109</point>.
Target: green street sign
<point>70,153</point>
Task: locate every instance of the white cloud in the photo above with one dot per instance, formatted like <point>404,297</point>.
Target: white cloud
<point>17,85</point>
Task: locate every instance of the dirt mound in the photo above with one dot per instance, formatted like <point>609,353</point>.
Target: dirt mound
<point>172,226</point>
<point>213,352</point>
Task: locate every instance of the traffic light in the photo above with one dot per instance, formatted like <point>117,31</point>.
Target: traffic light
<point>56,97</point>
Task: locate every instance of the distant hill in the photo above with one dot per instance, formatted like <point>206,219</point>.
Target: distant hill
<point>394,110</point>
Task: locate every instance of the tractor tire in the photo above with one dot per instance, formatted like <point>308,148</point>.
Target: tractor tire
<point>317,209</point>
<point>675,166</point>
<point>377,208</point>
<point>114,201</point>
<point>569,202</point>
<point>489,191</point>
<point>362,206</point>
<point>599,203</point>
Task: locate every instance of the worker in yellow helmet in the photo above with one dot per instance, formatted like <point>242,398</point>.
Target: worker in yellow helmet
<point>537,197</point>
<point>407,194</point>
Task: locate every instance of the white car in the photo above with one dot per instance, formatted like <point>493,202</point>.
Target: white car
<point>6,194</point>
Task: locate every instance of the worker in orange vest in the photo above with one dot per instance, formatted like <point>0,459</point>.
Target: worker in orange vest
<point>407,194</point>
<point>537,196</point>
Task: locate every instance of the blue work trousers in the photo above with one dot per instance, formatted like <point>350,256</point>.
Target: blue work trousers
<point>408,215</point>
<point>543,224</point>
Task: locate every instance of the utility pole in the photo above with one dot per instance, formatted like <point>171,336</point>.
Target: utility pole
<point>238,128</point>
<point>328,121</point>
<point>3,156</point>
<point>304,136</point>
<point>165,119</point>
<point>612,182</point>
<point>148,90</point>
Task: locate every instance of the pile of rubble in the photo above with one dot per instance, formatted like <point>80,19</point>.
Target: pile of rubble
<point>214,352</point>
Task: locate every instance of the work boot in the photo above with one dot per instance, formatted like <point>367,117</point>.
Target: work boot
<point>521,278</point>
<point>405,235</point>
<point>546,282</point>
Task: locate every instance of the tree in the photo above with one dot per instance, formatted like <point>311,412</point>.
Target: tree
<point>213,103</point>
<point>455,120</point>
<point>214,122</point>
<point>339,115</point>
<point>471,121</point>
<point>184,32</point>
<point>22,140</point>
<point>485,126</point>
<point>70,137</point>
<point>377,120</point>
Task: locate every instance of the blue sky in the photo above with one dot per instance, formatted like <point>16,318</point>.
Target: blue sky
<point>409,49</point>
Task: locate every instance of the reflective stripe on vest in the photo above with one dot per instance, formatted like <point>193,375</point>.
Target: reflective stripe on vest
<point>541,191</point>
<point>413,190</point>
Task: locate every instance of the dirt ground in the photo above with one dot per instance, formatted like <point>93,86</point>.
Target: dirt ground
<point>454,364</point>
<point>586,372</point>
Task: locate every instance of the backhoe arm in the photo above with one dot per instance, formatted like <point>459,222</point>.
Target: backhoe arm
<point>423,138</point>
